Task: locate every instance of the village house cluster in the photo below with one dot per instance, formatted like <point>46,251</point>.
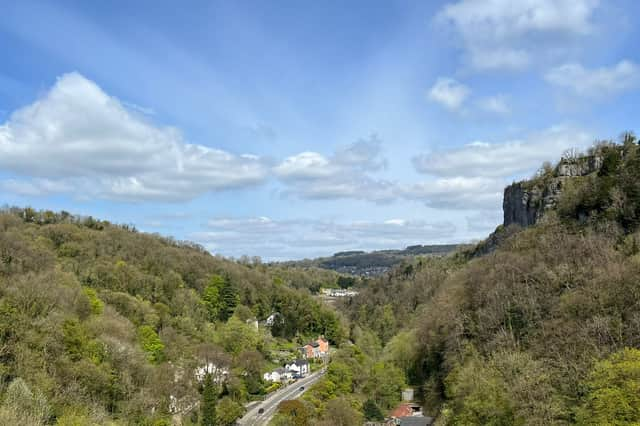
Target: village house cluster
<point>317,349</point>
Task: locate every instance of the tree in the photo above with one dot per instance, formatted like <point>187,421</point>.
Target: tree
<point>209,399</point>
<point>212,298</point>
<point>236,336</point>
<point>295,411</point>
<point>252,363</point>
<point>372,411</point>
<point>346,281</point>
<point>340,373</point>
<point>228,411</point>
<point>340,413</point>
<point>151,343</point>
<point>228,300</point>
<point>613,396</point>
<point>385,384</point>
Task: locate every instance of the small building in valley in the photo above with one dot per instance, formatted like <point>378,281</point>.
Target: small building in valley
<point>294,370</point>
<point>299,368</point>
<point>319,348</point>
<point>278,375</point>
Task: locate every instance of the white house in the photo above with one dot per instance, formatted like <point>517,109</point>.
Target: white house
<point>299,368</point>
<point>273,376</point>
<point>271,319</point>
<point>278,375</point>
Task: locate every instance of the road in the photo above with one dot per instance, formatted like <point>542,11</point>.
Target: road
<point>270,405</point>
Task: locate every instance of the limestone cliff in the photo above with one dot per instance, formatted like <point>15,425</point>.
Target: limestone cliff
<point>526,202</point>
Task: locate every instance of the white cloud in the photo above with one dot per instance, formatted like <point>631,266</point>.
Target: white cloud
<point>35,187</point>
<point>502,159</point>
<point>474,175</point>
<point>449,93</point>
<point>289,239</point>
<point>77,136</point>
<point>597,82</point>
<point>503,34</point>
<point>495,104</point>
<point>458,192</point>
<point>499,58</point>
<point>345,174</point>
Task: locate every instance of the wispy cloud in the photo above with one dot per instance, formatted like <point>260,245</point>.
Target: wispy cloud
<point>502,159</point>
<point>449,93</point>
<point>504,34</point>
<point>474,175</point>
<point>596,82</point>
<point>347,173</point>
<point>457,192</point>
<point>495,104</point>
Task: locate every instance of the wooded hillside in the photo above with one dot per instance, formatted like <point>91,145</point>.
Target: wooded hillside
<point>100,324</point>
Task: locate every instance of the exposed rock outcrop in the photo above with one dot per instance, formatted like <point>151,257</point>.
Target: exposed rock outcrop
<point>526,202</point>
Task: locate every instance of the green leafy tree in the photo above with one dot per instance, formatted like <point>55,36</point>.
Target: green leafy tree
<point>209,400</point>
<point>340,373</point>
<point>228,412</point>
<point>211,297</point>
<point>236,336</point>
<point>385,384</point>
<point>613,396</point>
<point>79,343</point>
<point>151,343</point>
<point>96,304</point>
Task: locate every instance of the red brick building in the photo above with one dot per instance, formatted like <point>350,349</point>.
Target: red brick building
<point>316,349</point>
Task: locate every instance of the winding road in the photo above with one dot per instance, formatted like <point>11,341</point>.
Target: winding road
<point>269,406</point>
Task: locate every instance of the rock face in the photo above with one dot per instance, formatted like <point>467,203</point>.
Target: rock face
<point>526,202</point>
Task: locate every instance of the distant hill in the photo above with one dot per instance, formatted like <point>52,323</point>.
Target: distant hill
<point>361,263</point>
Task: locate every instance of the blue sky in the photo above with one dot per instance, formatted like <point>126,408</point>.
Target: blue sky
<point>297,129</point>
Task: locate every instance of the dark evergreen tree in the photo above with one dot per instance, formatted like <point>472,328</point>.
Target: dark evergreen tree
<point>209,400</point>
<point>228,299</point>
<point>372,411</point>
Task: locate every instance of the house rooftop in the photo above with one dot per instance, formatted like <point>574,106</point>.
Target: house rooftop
<point>416,421</point>
<point>402,410</point>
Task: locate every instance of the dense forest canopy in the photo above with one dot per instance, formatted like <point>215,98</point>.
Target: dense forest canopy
<point>100,323</point>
